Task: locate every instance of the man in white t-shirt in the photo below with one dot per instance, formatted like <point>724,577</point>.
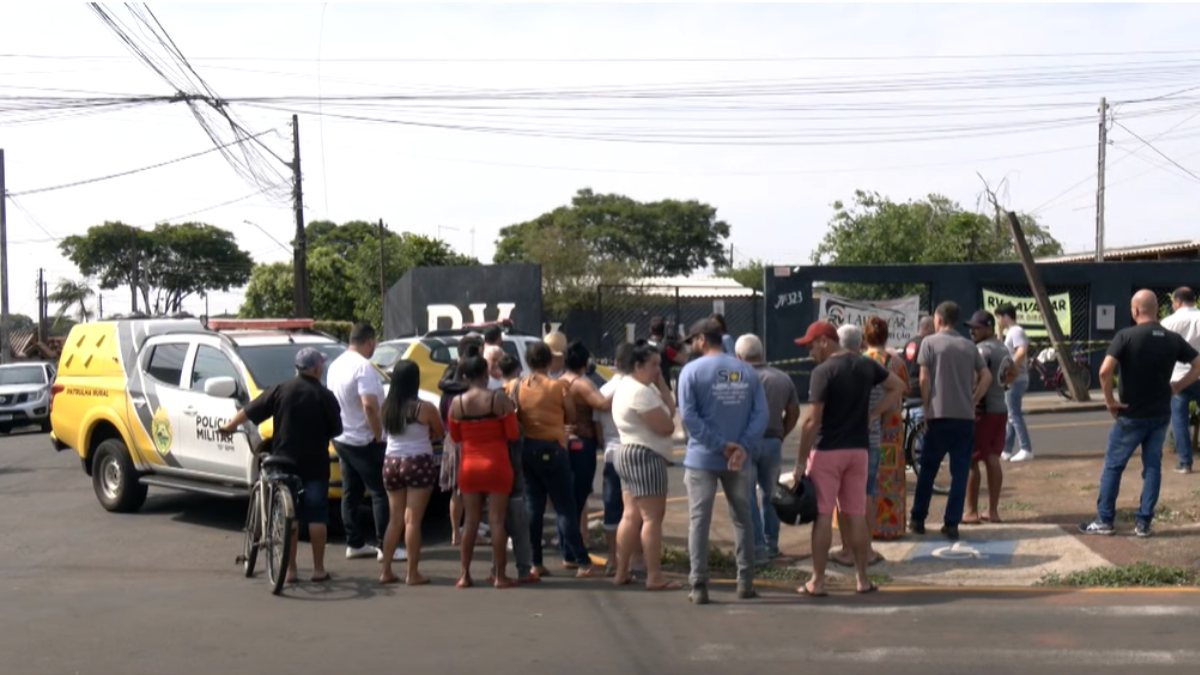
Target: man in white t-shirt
<point>1186,322</point>
<point>1016,432</point>
<point>358,388</point>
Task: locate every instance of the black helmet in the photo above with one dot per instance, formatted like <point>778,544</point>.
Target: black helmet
<point>795,505</point>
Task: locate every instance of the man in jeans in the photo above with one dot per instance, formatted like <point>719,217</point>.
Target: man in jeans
<point>783,412</point>
<point>954,379</point>
<point>1016,432</point>
<point>359,391</point>
<point>723,406</point>
<point>1186,322</point>
<point>1146,353</point>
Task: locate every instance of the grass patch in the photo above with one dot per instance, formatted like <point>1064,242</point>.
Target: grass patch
<point>1162,513</point>
<point>1139,574</point>
<point>773,573</point>
<point>879,579</point>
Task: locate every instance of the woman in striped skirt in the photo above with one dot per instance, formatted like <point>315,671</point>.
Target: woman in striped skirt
<point>644,412</point>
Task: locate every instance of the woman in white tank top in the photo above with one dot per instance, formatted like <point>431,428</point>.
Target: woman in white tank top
<point>409,473</point>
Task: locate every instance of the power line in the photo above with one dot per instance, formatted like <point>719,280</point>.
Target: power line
<point>1160,152</point>
<point>130,172</point>
<point>32,218</point>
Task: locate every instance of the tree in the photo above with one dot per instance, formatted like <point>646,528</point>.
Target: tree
<point>874,230</point>
<point>168,263</point>
<point>343,267</point>
<point>748,274</point>
<point>19,322</point>
<point>610,238</point>
<point>72,294</point>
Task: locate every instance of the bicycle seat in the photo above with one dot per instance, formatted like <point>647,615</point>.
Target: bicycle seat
<point>278,463</point>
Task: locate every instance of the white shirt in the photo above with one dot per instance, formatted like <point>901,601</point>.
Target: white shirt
<point>1014,338</point>
<point>351,377</point>
<point>612,436</point>
<point>1186,322</point>
<point>632,399</point>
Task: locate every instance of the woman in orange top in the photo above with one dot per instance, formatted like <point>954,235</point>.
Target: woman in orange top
<point>483,423</point>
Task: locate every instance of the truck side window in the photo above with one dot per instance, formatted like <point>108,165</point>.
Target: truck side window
<point>211,363</point>
<point>166,363</point>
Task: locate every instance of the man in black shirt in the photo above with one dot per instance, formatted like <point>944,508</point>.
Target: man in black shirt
<point>307,417</point>
<point>1146,354</point>
<point>833,445</point>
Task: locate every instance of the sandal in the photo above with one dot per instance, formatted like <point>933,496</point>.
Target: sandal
<point>805,590</point>
<point>665,586</point>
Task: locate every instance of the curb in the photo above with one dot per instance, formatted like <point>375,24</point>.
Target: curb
<point>1090,406</point>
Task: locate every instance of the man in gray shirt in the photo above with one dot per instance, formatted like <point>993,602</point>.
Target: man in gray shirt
<point>783,412</point>
<point>954,379</point>
<point>990,419</point>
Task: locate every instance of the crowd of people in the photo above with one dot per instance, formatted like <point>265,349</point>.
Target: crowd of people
<point>513,440</point>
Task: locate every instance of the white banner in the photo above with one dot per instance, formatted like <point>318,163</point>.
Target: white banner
<point>901,315</point>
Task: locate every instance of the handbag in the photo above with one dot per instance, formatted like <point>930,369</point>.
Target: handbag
<point>795,504</point>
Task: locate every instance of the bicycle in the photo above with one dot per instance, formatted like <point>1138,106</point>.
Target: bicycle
<point>914,441</point>
<point>270,519</point>
<point>1053,377</point>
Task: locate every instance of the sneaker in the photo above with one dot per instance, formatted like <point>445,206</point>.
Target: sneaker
<point>699,595</point>
<point>399,556</point>
<point>916,526</point>
<point>1142,530</point>
<point>1097,527</point>
<point>951,532</point>
<point>1022,456</point>
<point>746,591</point>
<point>1006,456</point>
<point>1184,469</point>
<point>353,552</point>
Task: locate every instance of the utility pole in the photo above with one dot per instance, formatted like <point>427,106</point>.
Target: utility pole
<point>41,302</point>
<point>137,280</point>
<point>4,347</point>
<point>300,296</point>
<point>382,280</point>
<point>100,304</point>
<point>1100,179</point>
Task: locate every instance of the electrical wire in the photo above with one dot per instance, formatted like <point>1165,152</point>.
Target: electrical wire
<point>1159,152</point>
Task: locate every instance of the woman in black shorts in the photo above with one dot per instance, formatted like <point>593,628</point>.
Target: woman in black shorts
<point>409,472</point>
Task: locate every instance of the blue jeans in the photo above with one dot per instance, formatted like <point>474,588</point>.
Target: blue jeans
<point>548,474</point>
<point>583,477</point>
<point>1179,422</point>
<point>614,503</point>
<point>1126,435</point>
<point>1016,430</point>
<point>945,437</point>
<point>763,472</point>
<point>362,467</point>
<point>313,503</point>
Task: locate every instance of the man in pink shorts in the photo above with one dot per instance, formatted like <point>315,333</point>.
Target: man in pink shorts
<point>833,445</point>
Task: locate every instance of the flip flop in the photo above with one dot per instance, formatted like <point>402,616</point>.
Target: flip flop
<point>869,589</point>
<point>840,562</point>
<point>623,582</point>
<point>666,586</point>
<point>317,580</point>
<point>803,590</point>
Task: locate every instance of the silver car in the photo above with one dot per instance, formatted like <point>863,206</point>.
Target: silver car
<point>25,395</point>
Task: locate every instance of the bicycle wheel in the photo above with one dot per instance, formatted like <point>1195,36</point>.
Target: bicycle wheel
<point>279,535</point>
<point>253,532</point>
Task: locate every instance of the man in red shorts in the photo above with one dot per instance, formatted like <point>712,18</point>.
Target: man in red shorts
<point>990,419</point>
<point>833,446</point>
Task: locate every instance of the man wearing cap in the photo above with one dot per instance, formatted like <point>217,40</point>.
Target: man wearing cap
<point>954,379</point>
<point>834,440</point>
<point>360,448</point>
<point>990,419</point>
<point>724,409</point>
<point>557,342</point>
<point>307,417</point>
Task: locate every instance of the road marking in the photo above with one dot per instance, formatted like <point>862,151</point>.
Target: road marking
<point>972,654</point>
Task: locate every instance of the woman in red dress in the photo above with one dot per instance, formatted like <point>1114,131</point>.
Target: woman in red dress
<point>483,422</point>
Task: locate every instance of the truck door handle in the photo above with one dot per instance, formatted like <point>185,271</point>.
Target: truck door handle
<point>189,411</point>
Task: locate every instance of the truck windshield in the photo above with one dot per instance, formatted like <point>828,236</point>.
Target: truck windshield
<point>272,364</point>
<point>22,375</point>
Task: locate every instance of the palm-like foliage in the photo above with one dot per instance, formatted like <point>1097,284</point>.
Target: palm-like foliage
<point>70,294</point>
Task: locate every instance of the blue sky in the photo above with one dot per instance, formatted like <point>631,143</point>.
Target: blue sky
<point>776,197</point>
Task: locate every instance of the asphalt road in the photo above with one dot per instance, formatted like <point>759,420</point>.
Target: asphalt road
<point>86,591</point>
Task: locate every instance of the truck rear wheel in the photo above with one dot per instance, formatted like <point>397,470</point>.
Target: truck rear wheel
<point>115,479</point>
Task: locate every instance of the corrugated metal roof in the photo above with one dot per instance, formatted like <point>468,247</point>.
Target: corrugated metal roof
<point>1127,252</point>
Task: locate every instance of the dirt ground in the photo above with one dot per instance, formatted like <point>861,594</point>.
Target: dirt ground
<point>1063,492</point>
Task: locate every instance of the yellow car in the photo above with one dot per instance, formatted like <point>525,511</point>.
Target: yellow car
<point>141,401</point>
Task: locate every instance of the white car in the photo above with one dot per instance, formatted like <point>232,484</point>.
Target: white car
<point>25,395</point>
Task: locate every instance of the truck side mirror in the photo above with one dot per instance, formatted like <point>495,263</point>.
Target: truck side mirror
<point>220,387</point>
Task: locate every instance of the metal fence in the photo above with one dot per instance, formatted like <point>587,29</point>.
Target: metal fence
<point>625,311</point>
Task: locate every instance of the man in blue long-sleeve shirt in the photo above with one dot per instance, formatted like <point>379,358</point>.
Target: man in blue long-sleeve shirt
<point>724,409</point>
